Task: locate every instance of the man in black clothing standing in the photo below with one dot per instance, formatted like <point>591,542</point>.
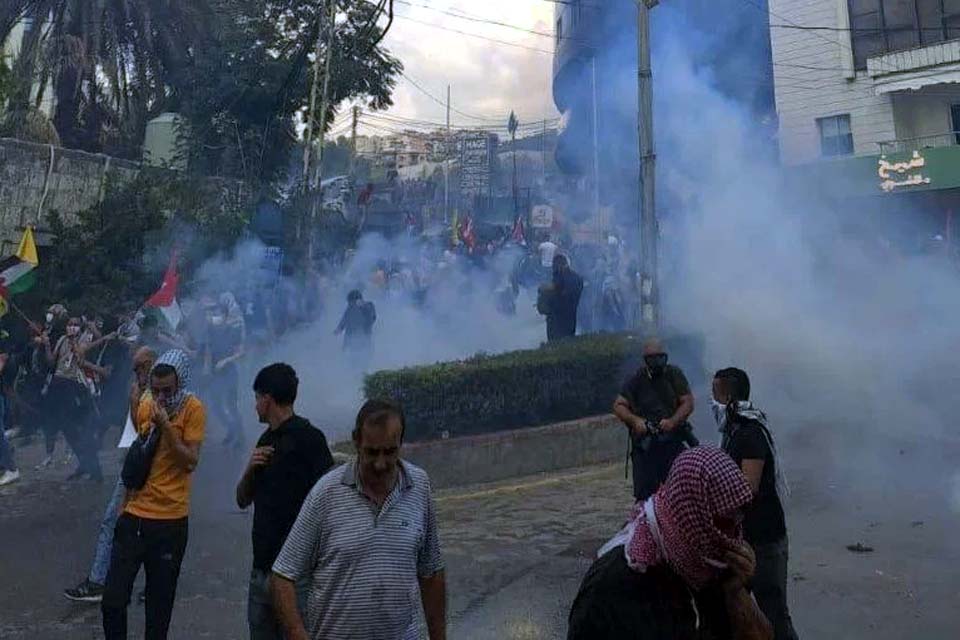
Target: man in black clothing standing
<point>289,458</point>
<point>655,405</point>
<point>560,299</point>
<point>746,438</point>
<point>356,325</point>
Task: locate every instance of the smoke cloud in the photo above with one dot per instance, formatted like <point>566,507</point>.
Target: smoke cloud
<point>845,339</point>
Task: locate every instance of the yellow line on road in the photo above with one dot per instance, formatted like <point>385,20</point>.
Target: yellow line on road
<point>522,486</point>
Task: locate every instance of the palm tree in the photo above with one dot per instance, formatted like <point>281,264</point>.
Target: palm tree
<point>108,61</point>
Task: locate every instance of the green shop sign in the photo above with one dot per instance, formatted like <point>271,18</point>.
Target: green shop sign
<point>918,170</point>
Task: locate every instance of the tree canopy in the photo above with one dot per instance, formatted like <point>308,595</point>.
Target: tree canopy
<point>239,71</point>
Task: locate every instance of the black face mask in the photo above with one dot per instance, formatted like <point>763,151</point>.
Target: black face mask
<point>656,363</point>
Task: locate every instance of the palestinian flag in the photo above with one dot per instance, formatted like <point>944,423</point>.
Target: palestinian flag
<point>17,271</point>
<point>163,304</point>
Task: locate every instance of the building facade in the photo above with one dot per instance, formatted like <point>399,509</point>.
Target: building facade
<point>865,77</point>
<point>868,101</point>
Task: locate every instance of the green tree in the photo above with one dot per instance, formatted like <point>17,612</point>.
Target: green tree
<point>114,254</point>
<point>4,83</point>
<point>108,62</point>
<point>247,97</point>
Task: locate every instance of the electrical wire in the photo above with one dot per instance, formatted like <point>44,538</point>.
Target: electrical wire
<point>496,23</point>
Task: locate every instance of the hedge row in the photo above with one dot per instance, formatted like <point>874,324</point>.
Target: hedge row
<point>566,381</point>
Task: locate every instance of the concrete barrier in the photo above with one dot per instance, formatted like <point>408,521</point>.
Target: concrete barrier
<point>521,452</point>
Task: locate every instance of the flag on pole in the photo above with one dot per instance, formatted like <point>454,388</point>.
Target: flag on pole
<point>163,304</point>
<point>519,235</point>
<point>17,271</point>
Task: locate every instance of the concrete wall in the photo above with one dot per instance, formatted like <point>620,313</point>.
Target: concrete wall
<point>522,452</point>
<point>813,78</point>
<point>36,179</point>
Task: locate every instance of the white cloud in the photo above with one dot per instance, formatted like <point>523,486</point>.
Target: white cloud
<point>487,78</point>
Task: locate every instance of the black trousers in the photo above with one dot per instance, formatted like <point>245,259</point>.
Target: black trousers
<point>157,545</point>
<point>650,467</point>
<point>770,587</point>
<point>71,411</point>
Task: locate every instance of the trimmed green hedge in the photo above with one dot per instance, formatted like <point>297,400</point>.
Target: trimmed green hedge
<point>566,381</point>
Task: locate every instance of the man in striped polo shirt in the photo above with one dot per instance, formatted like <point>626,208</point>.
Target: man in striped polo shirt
<point>366,542</point>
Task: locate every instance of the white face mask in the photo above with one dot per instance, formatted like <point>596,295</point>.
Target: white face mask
<point>49,318</point>
<point>216,320</point>
<point>719,412</point>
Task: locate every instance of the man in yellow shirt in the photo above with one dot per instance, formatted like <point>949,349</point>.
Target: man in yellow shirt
<point>152,530</point>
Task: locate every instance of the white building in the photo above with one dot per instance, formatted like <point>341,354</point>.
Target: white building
<point>865,77</point>
<point>11,51</point>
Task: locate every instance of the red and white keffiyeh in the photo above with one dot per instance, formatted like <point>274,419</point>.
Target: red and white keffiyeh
<point>693,518</point>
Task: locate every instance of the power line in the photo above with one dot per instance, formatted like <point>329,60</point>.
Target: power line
<point>497,23</point>
<point>442,103</point>
<point>475,35</point>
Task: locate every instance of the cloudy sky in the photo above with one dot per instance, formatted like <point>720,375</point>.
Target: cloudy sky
<point>488,79</point>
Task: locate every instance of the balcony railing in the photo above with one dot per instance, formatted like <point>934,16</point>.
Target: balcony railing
<point>923,142</point>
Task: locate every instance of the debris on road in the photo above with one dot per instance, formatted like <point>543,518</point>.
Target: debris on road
<point>859,548</point>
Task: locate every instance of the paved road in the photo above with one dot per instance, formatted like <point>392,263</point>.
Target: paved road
<point>516,550</point>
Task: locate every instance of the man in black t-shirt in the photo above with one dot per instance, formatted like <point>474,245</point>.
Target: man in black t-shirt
<point>655,405</point>
<point>747,439</point>
<point>289,458</point>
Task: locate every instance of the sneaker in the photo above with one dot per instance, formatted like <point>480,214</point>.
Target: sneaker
<point>46,462</point>
<point>86,591</point>
<point>12,433</point>
<point>9,477</point>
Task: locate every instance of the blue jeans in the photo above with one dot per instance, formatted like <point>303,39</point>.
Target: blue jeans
<point>101,559</point>
<point>263,622</point>
<point>6,449</point>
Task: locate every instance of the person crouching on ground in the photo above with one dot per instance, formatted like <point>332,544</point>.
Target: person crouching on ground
<point>680,568</point>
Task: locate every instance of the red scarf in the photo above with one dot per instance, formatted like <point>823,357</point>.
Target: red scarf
<point>704,485</point>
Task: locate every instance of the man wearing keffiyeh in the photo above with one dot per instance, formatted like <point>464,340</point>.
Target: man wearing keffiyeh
<point>679,569</point>
<point>152,530</point>
<point>746,437</point>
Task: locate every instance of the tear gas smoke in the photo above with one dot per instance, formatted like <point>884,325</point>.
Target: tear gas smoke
<point>845,343</point>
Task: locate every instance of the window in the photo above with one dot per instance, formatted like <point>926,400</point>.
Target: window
<point>881,26</point>
<point>559,30</point>
<point>836,139</point>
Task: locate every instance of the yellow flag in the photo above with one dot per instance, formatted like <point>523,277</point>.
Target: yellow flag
<point>28,248</point>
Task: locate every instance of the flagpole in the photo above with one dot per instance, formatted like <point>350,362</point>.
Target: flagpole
<point>20,313</point>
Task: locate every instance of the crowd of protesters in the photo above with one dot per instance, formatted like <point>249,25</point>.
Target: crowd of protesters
<point>337,552</point>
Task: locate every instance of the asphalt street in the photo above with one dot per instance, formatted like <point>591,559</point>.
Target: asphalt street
<point>516,550</point>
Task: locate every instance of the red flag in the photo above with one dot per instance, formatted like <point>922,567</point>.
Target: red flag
<point>166,295</point>
<point>519,234</point>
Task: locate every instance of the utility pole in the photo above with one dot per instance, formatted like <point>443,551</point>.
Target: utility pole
<point>325,101</point>
<point>308,138</point>
<point>314,88</point>
<point>446,166</point>
<point>543,151</point>
<point>649,228</point>
<point>596,151</point>
<point>512,125</point>
<point>353,140</point>
<point>317,200</point>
